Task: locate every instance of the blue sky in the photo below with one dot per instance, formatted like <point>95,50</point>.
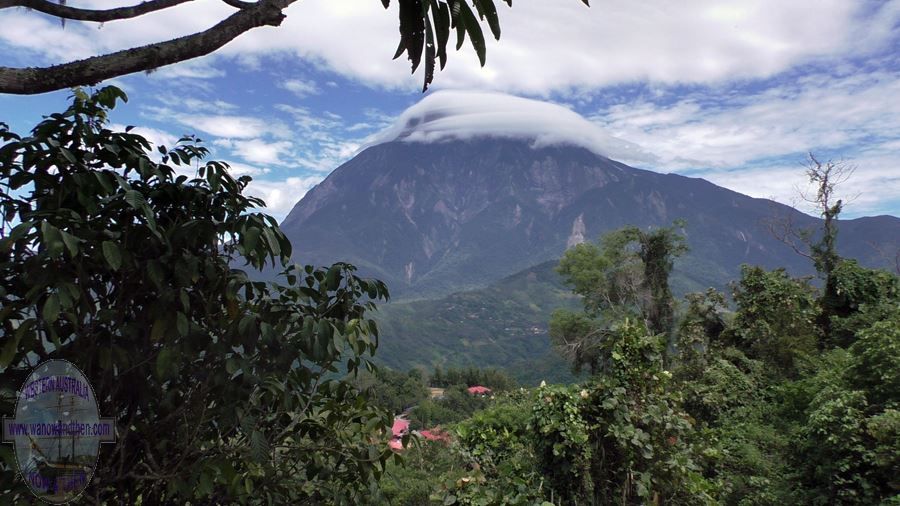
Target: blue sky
<point>733,91</point>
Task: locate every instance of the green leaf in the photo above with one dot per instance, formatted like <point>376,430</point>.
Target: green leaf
<point>70,241</point>
<point>181,323</point>
<point>441,14</point>
<point>246,325</point>
<point>251,238</point>
<point>112,254</point>
<point>52,239</point>
<point>51,308</point>
<point>8,352</point>
<point>166,363</point>
<point>487,9</point>
<point>333,277</point>
<point>134,199</point>
<point>232,365</point>
<point>259,446</point>
<point>474,30</point>
<point>429,54</point>
<point>158,329</point>
<point>412,30</point>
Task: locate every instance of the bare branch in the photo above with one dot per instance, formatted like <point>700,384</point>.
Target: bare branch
<point>28,81</point>
<point>887,256</point>
<point>96,16</point>
<point>782,228</point>
<point>826,176</point>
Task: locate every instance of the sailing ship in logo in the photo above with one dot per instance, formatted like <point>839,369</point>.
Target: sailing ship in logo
<point>57,432</point>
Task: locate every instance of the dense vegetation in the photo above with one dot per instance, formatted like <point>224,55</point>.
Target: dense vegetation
<point>792,397</point>
<point>503,325</point>
<point>130,263</point>
<point>125,262</point>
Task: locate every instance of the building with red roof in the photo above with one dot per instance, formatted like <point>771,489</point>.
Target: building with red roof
<point>436,434</point>
<point>479,390</point>
<point>398,430</point>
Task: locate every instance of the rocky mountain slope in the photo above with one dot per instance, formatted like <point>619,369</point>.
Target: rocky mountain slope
<point>434,218</point>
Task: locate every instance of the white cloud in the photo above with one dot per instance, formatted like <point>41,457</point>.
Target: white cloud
<point>194,104</point>
<point>819,112</point>
<point>872,189</point>
<point>192,69</point>
<point>280,196</point>
<point>756,143</point>
<point>230,126</point>
<point>242,169</point>
<point>546,46</point>
<point>239,127</point>
<point>300,87</point>
<point>257,150</point>
<point>155,136</point>
<point>460,115</point>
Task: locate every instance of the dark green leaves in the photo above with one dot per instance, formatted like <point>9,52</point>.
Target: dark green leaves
<point>487,9</point>
<point>53,239</point>
<point>412,31</point>
<point>425,29</point>
<point>470,23</point>
<point>50,312</point>
<point>126,269</point>
<point>112,255</point>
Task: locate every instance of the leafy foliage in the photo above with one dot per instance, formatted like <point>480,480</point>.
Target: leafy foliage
<point>484,328</point>
<point>625,276</point>
<point>394,391</point>
<point>494,379</point>
<point>775,319</point>
<point>223,388</point>
<point>425,27</point>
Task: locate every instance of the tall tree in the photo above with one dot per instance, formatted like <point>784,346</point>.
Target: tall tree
<point>626,275</point>
<point>425,27</point>
<point>820,246</point>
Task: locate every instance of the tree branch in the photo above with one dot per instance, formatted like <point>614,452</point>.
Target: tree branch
<point>29,81</point>
<point>97,16</point>
<point>239,4</point>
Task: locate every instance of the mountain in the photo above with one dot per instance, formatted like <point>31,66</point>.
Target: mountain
<point>434,218</point>
<point>464,206</point>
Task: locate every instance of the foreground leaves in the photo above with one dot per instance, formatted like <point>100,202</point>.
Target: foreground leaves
<point>128,264</point>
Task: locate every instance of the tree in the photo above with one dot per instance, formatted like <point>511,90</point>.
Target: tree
<point>701,326</point>
<point>425,27</point>
<point>775,318</point>
<point>819,246</point>
<point>223,389</point>
<point>392,390</point>
<point>621,438</point>
<point>626,275</point>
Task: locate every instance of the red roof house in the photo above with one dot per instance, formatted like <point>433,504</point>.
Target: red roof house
<point>436,434</point>
<point>479,390</point>
<point>398,430</point>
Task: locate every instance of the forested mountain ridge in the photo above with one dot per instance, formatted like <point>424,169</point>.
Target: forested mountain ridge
<point>503,325</point>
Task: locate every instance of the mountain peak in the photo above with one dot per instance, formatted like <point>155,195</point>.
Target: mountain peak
<point>460,115</point>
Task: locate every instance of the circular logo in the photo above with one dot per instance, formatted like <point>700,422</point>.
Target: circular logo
<point>57,431</point>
